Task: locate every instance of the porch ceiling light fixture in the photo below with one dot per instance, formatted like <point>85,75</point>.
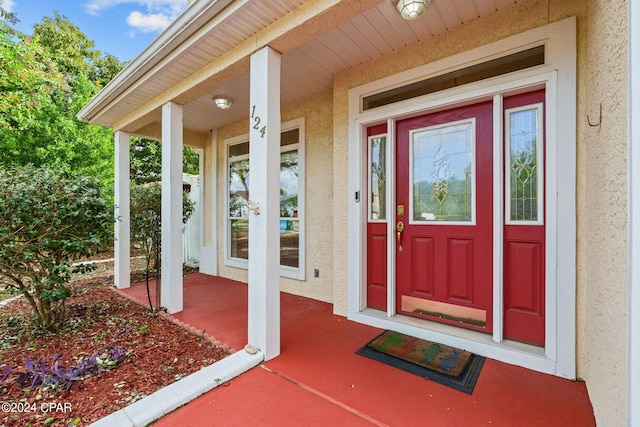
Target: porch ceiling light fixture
<point>411,9</point>
<point>222,102</point>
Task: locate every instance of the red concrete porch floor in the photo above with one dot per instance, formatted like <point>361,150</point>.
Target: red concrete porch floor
<point>318,380</point>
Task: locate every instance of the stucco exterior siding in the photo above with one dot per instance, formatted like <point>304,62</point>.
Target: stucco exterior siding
<point>602,210</point>
<point>317,112</point>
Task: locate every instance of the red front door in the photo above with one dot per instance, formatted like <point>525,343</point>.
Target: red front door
<point>444,216</point>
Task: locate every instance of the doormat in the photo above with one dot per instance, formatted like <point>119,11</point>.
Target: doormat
<point>455,368</point>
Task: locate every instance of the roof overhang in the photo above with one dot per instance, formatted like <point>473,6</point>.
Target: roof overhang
<point>168,41</point>
<point>206,52</point>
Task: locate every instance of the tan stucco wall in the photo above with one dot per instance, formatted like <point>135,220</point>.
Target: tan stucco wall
<point>317,112</point>
<point>601,173</point>
<point>602,207</point>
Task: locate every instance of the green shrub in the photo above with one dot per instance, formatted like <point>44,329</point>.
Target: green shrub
<point>47,220</point>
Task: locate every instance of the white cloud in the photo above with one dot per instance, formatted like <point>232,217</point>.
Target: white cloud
<point>8,5</point>
<point>94,7</point>
<point>148,23</point>
<point>155,15</point>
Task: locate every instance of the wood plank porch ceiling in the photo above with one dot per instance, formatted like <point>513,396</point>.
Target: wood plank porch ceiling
<point>307,68</point>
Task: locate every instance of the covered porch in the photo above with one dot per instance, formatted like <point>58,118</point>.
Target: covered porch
<point>319,380</point>
<point>255,83</point>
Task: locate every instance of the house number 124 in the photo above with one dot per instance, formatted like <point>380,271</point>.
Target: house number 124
<point>256,122</point>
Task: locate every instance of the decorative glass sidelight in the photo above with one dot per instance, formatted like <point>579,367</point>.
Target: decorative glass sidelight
<point>378,177</point>
<point>524,165</point>
<point>443,172</point>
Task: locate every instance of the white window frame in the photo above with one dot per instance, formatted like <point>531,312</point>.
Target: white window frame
<point>285,271</point>
<point>559,78</point>
<point>539,160</point>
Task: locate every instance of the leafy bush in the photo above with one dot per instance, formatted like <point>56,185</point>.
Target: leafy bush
<point>48,219</point>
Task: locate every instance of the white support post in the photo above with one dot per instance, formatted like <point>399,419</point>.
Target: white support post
<point>171,264</point>
<point>209,206</point>
<point>264,192</point>
<point>122,244</point>
<point>498,221</point>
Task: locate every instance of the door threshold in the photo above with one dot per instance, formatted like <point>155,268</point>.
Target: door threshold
<point>513,352</point>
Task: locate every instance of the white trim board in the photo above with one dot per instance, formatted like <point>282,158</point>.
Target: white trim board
<point>209,253</point>
<point>558,76</point>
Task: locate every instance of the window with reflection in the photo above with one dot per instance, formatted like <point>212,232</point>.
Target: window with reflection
<point>238,197</point>
<point>290,212</point>
<point>378,177</point>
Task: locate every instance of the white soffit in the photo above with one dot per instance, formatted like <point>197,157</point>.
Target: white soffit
<point>307,69</point>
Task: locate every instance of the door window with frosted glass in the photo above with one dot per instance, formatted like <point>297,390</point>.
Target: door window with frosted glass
<point>443,173</point>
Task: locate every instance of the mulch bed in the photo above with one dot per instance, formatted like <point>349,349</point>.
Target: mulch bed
<point>161,352</point>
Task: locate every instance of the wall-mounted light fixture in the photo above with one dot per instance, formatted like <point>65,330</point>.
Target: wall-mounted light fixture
<point>222,102</point>
<point>411,9</point>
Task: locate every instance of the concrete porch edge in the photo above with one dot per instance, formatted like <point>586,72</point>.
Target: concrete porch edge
<point>175,395</point>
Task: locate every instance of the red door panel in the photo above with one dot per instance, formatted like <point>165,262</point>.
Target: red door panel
<point>461,274</point>
<point>377,265</point>
<point>524,260</point>
<point>423,266</point>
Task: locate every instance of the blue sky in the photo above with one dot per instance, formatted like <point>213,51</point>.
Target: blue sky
<point>120,27</point>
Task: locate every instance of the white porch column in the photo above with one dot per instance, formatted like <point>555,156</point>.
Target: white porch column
<point>264,189</point>
<point>122,244</point>
<point>172,207</point>
<point>209,204</point>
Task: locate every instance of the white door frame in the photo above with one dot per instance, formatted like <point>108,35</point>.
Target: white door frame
<point>558,76</point>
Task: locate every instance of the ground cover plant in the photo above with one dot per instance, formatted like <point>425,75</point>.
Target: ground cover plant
<point>110,353</point>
